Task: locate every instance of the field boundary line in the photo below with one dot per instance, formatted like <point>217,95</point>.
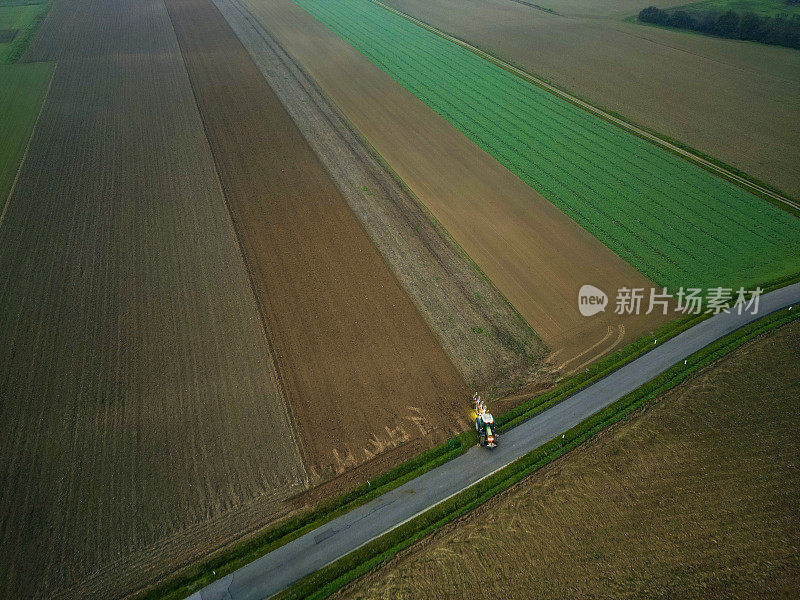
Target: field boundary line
<point>689,155</point>
<point>28,145</point>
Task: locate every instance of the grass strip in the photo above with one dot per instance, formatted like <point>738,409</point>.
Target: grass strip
<point>226,561</point>
<point>612,362</point>
<point>331,578</point>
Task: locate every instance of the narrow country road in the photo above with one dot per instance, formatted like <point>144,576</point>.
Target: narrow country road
<point>284,566</point>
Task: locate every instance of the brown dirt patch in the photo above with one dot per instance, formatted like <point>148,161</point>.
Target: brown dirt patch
<point>360,368</point>
<point>696,497</point>
<point>536,256</point>
<point>139,407</point>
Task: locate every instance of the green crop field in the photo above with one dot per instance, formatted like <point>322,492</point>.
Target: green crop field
<point>763,8</point>
<point>22,86</point>
<point>24,16</point>
<point>676,223</point>
<point>22,89</point>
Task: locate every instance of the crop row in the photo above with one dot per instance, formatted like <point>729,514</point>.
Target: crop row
<point>676,223</point>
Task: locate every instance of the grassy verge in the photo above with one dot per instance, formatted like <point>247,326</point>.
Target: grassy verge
<point>23,88</point>
<point>228,560</point>
<point>612,362</point>
<point>327,580</point>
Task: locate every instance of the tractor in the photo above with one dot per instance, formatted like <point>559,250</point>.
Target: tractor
<point>484,423</point>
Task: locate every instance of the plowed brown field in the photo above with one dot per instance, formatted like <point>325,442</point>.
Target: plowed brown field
<point>361,369</point>
<point>140,423</point>
<point>535,255</point>
<point>490,345</point>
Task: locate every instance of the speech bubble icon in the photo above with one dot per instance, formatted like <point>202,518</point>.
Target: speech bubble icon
<point>591,300</point>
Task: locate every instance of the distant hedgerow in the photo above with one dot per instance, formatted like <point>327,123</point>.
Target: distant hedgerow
<point>778,31</point>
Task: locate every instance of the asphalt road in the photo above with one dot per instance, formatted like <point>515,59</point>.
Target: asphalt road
<point>284,566</point>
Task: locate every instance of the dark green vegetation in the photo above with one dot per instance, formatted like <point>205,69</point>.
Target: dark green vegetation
<point>763,8</point>
<point>674,222</point>
<point>22,86</point>
<point>695,497</point>
<point>23,17</point>
<point>331,578</point>
<point>22,89</point>
<point>762,22</point>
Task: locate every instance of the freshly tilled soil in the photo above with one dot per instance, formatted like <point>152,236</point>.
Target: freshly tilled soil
<point>361,369</point>
<point>490,344</point>
<point>140,421</point>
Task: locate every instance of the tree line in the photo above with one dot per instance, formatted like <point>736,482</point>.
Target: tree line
<point>780,30</point>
